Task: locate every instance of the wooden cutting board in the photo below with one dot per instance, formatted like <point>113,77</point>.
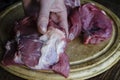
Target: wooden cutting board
<point>85,60</point>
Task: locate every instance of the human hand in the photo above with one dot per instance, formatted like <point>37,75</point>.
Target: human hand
<point>54,8</point>
<point>58,9</point>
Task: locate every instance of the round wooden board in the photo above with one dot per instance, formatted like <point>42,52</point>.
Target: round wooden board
<point>85,60</point>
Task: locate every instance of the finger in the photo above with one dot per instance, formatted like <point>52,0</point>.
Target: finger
<point>44,15</point>
<point>58,6</point>
<point>63,21</point>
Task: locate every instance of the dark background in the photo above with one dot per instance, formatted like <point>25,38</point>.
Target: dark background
<point>111,74</point>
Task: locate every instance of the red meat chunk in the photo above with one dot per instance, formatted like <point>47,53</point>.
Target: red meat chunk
<point>11,50</point>
<point>96,25</point>
<point>37,51</point>
<point>74,24</point>
<point>62,66</point>
<point>92,22</point>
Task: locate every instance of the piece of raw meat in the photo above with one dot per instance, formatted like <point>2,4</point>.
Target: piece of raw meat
<point>26,26</point>
<point>62,66</point>
<point>27,48</point>
<point>71,4</point>
<point>96,25</point>
<point>11,49</point>
<point>75,25</point>
<point>53,45</point>
<point>38,52</point>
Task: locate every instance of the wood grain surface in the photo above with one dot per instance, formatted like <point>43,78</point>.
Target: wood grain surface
<point>111,74</point>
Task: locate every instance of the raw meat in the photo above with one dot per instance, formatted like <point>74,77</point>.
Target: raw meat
<point>47,51</point>
<point>71,4</point>
<point>74,24</point>
<point>92,22</point>
<point>96,26</point>
<point>62,66</point>
<point>35,51</point>
<point>26,34</point>
<point>29,50</point>
<point>53,45</point>
<point>11,49</point>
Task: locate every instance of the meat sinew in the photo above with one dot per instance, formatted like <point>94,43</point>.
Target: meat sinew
<point>38,52</point>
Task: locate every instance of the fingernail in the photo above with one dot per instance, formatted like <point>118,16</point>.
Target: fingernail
<point>42,28</point>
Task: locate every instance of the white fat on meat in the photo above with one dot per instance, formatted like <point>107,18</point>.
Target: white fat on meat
<point>17,58</point>
<point>72,3</point>
<point>54,45</point>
